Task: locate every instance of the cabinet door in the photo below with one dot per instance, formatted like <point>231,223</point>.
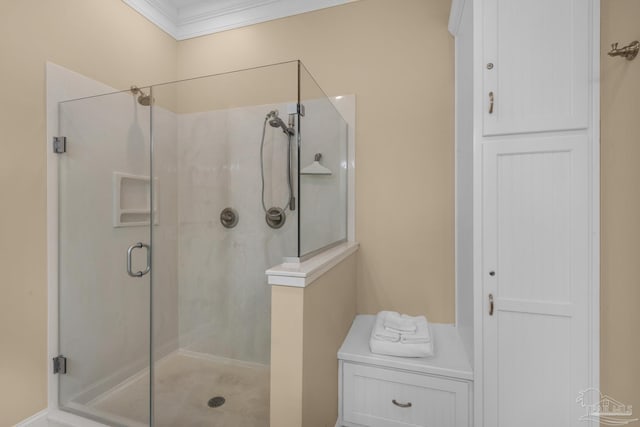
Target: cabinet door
<point>536,267</point>
<point>539,72</point>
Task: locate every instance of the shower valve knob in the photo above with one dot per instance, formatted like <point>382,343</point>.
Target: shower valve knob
<point>229,217</point>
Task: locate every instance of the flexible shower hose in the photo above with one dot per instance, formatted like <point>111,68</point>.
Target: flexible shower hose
<point>289,179</point>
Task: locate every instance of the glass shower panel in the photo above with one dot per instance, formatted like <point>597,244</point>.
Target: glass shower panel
<point>323,170</point>
<point>216,141</point>
<point>104,215</point>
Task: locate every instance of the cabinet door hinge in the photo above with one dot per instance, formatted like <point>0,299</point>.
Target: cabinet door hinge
<point>59,144</point>
<point>60,365</point>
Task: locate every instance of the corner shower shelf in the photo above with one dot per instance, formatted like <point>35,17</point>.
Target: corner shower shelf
<point>316,168</point>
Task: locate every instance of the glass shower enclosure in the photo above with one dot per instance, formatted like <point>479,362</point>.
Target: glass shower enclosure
<point>173,201</point>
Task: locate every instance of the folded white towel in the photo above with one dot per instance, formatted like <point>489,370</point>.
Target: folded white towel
<point>380,333</point>
<point>400,323</point>
<point>422,334</point>
<point>419,324</point>
<point>400,349</point>
<point>383,341</point>
<point>384,335</point>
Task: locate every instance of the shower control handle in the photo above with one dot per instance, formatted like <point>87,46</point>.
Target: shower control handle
<point>138,245</point>
<point>229,217</point>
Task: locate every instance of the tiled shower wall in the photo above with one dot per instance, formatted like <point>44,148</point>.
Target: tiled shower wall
<point>224,301</point>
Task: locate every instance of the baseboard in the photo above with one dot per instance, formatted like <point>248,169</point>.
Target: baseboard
<point>36,420</point>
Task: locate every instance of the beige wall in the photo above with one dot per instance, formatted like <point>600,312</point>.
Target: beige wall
<point>347,48</point>
<point>397,57</point>
<point>620,207</point>
<point>329,309</point>
<point>106,41</point>
<point>308,326</point>
<point>287,323</point>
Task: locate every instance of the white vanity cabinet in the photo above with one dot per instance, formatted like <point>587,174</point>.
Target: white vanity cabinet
<point>527,206</point>
<point>385,391</point>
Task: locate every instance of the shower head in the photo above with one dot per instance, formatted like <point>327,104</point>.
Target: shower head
<point>143,98</point>
<point>276,122</point>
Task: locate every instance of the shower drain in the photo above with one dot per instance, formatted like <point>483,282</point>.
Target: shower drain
<point>217,401</point>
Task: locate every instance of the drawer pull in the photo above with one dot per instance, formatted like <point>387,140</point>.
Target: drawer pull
<point>402,405</point>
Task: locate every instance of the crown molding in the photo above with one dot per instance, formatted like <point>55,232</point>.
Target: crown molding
<point>455,16</point>
<point>204,17</point>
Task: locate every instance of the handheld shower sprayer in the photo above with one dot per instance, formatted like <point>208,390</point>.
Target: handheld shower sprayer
<point>275,121</point>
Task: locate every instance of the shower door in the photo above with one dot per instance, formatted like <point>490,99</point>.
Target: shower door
<point>105,209</point>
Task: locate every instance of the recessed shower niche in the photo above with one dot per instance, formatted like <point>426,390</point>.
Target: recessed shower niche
<point>141,189</point>
<point>132,200</point>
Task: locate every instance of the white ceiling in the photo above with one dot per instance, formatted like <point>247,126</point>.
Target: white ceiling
<point>184,19</point>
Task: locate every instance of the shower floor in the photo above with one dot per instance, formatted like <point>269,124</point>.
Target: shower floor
<point>183,386</point>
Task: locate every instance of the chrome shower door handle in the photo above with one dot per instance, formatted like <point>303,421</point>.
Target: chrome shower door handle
<point>138,245</point>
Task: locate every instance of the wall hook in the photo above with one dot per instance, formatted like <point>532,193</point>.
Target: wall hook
<point>629,51</point>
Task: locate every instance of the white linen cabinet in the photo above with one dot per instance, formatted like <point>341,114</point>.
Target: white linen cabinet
<point>527,203</point>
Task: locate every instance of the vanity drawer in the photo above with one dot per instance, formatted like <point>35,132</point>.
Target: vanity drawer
<point>369,393</point>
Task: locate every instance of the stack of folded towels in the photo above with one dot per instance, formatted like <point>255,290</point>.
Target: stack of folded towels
<point>397,334</point>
